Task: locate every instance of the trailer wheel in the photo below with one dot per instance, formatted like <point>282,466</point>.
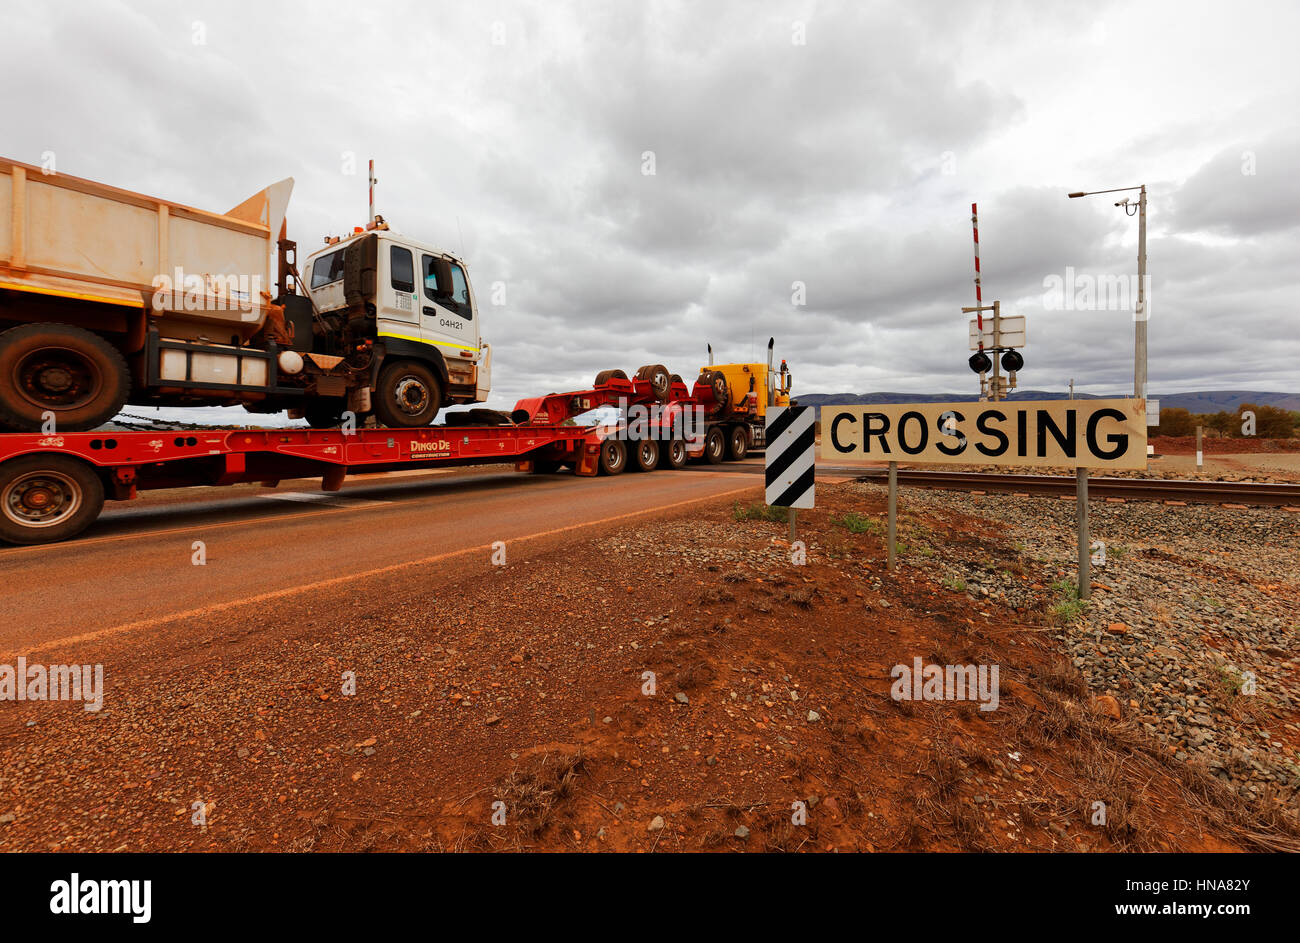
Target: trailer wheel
<point>661,381</point>
<point>606,375</point>
<point>47,498</point>
<point>645,455</point>
<point>613,456</point>
<point>409,395</point>
<point>672,454</point>
<point>715,446</point>
<point>737,443</point>
<point>68,371</point>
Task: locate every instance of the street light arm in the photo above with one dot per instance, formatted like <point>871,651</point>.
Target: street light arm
<point>1092,192</point>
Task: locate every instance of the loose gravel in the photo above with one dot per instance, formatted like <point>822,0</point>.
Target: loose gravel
<point>1191,624</point>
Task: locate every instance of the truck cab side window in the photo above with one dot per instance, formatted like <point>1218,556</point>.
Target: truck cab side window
<point>402,266</point>
<point>327,269</point>
<point>453,293</point>
<point>460,290</point>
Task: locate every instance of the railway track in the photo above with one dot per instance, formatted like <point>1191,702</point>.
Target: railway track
<point>1249,493</point>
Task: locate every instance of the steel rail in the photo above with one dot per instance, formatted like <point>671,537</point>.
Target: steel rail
<point>1149,489</point>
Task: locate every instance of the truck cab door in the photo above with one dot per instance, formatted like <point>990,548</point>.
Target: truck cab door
<point>448,317</point>
<point>398,300</point>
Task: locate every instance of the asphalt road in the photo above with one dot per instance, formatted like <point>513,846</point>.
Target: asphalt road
<point>136,565</point>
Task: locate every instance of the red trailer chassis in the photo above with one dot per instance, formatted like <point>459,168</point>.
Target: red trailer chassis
<point>53,486</point>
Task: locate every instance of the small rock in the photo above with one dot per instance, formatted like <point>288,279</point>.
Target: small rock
<point>656,824</point>
<point>813,717</point>
<point>1107,705</point>
<point>681,698</point>
<point>742,833</point>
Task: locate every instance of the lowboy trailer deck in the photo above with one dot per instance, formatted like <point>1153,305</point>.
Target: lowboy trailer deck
<point>53,486</point>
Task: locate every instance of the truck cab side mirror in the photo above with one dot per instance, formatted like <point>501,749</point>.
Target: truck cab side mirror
<point>442,272</point>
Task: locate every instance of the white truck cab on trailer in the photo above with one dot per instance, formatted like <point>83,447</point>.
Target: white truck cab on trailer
<point>411,301</point>
<point>422,312</point>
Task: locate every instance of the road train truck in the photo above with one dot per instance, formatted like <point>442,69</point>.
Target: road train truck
<point>737,397</point>
<point>109,297</point>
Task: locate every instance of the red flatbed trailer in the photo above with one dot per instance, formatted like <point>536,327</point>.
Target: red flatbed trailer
<point>52,487</point>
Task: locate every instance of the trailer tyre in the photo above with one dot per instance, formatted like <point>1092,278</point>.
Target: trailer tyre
<point>613,456</point>
<point>715,446</point>
<point>408,396</point>
<point>68,371</point>
<point>737,443</point>
<point>47,498</point>
<point>644,455</point>
<point>672,454</point>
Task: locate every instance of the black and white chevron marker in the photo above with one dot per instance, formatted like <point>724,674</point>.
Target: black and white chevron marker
<point>790,439</point>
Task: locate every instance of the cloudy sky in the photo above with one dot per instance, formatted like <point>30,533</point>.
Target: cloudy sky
<point>836,145</point>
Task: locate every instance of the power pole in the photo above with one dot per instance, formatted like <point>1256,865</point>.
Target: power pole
<point>1140,325</point>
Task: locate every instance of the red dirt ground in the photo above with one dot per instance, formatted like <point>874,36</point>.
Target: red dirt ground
<point>479,685</point>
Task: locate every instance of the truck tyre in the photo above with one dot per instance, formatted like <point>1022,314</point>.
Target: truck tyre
<point>409,395</point>
<point>715,446</point>
<point>606,375</point>
<point>644,455</point>
<point>323,413</point>
<point>68,371</point>
<point>44,498</point>
<point>660,380</point>
<point>716,381</point>
<point>672,454</point>
<point>613,456</point>
<point>737,443</point>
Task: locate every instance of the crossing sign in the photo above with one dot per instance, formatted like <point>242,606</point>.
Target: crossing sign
<point>791,437</point>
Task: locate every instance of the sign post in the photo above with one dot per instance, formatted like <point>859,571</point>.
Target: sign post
<point>893,510</point>
<point>1085,542</point>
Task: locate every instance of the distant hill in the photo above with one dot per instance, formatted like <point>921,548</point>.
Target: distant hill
<point>1206,401</point>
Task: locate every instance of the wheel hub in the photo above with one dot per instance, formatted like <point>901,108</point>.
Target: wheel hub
<point>57,377</point>
<point>41,499</point>
<point>412,396</point>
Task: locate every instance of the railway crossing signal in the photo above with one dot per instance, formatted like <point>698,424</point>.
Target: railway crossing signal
<point>1000,336</point>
